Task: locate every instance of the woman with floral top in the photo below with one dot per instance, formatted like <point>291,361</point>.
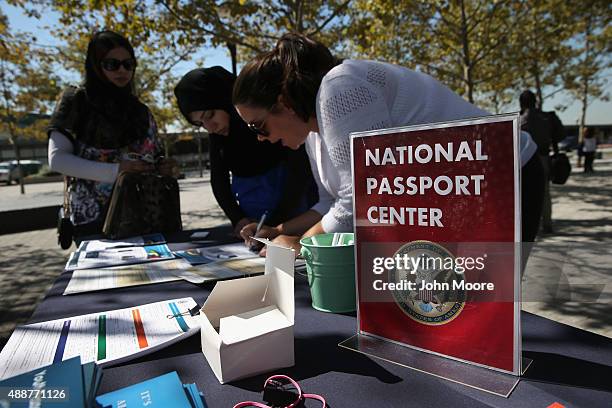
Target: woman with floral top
<point>101,129</point>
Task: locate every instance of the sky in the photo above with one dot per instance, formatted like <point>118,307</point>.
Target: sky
<point>598,113</point>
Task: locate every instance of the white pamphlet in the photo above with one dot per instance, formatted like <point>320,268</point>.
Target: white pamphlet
<point>105,337</point>
<point>87,280</point>
<point>117,256</point>
<point>140,240</point>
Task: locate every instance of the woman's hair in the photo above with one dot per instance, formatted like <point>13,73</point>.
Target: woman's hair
<point>587,132</point>
<point>293,69</point>
<point>99,45</point>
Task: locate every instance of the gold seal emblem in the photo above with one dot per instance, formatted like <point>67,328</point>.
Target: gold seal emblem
<point>431,299</point>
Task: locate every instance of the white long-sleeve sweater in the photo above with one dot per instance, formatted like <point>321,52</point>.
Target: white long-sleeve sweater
<point>366,95</point>
<point>63,160</point>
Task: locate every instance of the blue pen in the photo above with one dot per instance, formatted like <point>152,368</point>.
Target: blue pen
<point>255,246</point>
<point>261,221</point>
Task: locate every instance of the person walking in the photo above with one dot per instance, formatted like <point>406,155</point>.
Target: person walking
<point>589,148</point>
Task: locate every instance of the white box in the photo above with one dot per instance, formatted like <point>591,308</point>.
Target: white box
<point>247,323</point>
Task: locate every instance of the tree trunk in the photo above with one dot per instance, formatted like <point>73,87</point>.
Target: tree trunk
<point>13,141</point>
<point>467,63</point>
<point>538,86</point>
<point>8,114</point>
<point>200,156</point>
<point>585,79</point>
<point>232,49</point>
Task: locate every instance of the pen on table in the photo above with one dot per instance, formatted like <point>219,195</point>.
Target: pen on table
<point>259,225</point>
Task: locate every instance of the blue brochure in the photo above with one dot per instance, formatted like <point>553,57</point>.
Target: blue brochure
<point>194,256</point>
<point>195,396</point>
<point>57,385</point>
<point>92,375</point>
<point>161,392</point>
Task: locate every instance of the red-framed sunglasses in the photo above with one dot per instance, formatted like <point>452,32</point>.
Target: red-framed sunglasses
<point>281,391</point>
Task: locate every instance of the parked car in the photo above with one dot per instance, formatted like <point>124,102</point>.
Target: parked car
<point>9,170</point>
<point>569,143</point>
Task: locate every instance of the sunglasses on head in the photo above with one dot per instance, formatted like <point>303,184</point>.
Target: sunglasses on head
<point>113,64</point>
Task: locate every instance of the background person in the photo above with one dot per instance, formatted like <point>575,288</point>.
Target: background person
<point>299,93</point>
<point>96,126</point>
<point>248,178</point>
<point>590,148</point>
<point>541,127</point>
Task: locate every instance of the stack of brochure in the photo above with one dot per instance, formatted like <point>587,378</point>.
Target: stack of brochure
<point>163,391</point>
<point>87,258</point>
<point>62,384</point>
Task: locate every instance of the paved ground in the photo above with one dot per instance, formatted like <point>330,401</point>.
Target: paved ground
<point>569,273</point>
<point>568,277</point>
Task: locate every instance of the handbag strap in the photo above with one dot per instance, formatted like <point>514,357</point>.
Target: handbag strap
<point>66,204</point>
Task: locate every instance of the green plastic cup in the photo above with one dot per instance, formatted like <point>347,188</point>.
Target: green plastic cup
<point>330,265</point>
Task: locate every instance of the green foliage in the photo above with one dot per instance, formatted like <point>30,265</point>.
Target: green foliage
<point>28,85</point>
<point>458,42</point>
<point>255,25</point>
<point>584,76</point>
<point>159,44</point>
<point>487,51</point>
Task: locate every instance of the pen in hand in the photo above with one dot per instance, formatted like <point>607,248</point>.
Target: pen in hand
<point>255,245</point>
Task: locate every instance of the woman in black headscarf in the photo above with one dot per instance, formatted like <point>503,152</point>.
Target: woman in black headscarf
<point>265,178</point>
<point>101,129</point>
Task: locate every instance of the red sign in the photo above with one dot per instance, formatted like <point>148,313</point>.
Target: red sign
<point>437,228</point>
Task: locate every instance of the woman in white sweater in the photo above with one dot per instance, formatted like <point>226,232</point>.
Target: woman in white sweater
<point>299,93</point>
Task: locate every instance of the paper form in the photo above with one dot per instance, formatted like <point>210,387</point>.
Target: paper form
<point>106,337</point>
<point>86,280</point>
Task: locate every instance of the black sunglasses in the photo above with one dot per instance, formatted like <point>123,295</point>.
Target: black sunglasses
<point>113,64</point>
<point>258,128</point>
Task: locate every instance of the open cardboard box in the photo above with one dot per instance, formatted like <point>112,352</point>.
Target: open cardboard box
<point>247,323</point>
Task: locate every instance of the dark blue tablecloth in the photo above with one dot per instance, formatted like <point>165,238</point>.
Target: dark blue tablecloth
<point>571,366</point>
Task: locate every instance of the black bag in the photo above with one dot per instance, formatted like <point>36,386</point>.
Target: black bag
<point>560,168</point>
<point>143,203</point>
<point>558,131</point>
<point>65,229</point>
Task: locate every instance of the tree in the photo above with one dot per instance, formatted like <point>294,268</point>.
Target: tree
<point>28,86</point>
<point>254,26</point>
<point>385,30</point>
<point>585,75</point>
<point>158,42</point>
<point>458,42</point>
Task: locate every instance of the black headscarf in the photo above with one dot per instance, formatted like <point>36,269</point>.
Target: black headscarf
<point>99,113</point>
<point>211,88</point>
<point>205,89</point>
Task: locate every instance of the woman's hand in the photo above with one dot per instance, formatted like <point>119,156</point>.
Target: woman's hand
<point>249,230</point>
<point>135,166</point>
<point>168,167</point>
<point>287,241</point>
<point>240,225</point>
